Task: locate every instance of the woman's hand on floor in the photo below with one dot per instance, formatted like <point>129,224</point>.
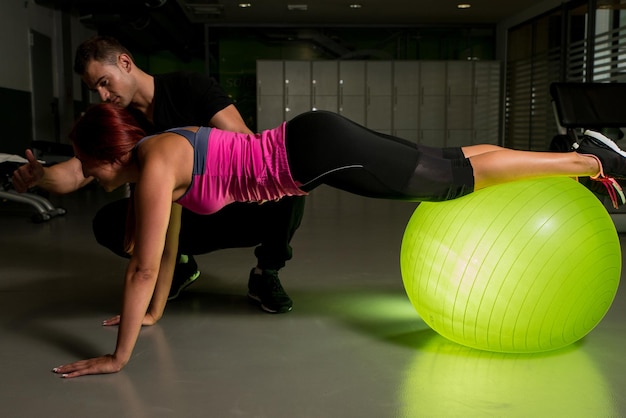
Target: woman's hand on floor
<point>147,320</point>
<point>99,365</point>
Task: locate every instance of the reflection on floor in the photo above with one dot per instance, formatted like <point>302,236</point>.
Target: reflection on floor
<point>353,346</point>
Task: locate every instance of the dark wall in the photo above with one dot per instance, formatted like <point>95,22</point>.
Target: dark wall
<point>16,121</point>
<point>236,51</point>
<point>233,52</point>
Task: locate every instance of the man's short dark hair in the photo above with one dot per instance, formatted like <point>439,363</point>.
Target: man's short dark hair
<point>104,49</point>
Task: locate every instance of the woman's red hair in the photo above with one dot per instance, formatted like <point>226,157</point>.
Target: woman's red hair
<point>105,133</point>
<point>108,133</point>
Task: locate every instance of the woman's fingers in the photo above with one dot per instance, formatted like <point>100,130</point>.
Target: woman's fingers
<point>98,365</point>
<point>111,321</point>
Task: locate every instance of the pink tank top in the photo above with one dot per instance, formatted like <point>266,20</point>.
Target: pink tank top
<point>236,167</point>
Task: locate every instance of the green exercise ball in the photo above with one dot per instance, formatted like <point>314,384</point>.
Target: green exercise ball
<point>522,267</point>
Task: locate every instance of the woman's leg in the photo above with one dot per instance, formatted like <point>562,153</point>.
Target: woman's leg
<point>505,165</point>
<point>324,147</point>
<point>472,150</point>
<point>596,157</point>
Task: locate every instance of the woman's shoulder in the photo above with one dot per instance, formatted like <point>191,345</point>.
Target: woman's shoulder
<point>170,133</point>
<point>166,148</point>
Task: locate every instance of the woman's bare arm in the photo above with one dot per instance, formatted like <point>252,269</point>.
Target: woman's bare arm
<point>166,273</point>
<point>153,204</point>
<point>166,270</point>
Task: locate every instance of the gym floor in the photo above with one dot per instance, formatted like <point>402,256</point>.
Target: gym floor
<point>353,346</point>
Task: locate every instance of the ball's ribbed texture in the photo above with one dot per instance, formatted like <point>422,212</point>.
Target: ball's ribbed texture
<point>527,266</point>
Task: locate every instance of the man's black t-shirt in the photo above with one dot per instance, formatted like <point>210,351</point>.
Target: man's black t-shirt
<point>186,99</point>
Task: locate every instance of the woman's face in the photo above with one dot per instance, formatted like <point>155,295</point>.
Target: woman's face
<point>109,175</point>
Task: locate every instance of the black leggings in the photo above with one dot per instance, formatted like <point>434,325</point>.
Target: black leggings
<point>268,227</point>
<point>326,148</point>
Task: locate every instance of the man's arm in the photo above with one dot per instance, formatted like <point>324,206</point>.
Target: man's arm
<point>64,177</point>
<point>229,119</point>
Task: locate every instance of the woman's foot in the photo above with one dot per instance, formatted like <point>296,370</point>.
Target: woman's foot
<point>612,160</point>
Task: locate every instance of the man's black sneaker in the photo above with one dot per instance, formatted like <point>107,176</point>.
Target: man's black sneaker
<point>185,273</point>
<point>266,289</point>
<point>612,161</point>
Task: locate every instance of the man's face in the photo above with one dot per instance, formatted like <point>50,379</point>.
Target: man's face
<point>113,83</point>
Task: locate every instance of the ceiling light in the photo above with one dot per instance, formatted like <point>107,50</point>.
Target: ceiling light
<point>202,8</point>
<point>154,4</point>
<point>463,6</point>
<point>245,5</point>
<point>611,4</point>
<point>298,7</point>
<point>356,6</point>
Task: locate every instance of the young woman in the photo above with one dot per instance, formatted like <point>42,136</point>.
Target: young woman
<point>204,169</point>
